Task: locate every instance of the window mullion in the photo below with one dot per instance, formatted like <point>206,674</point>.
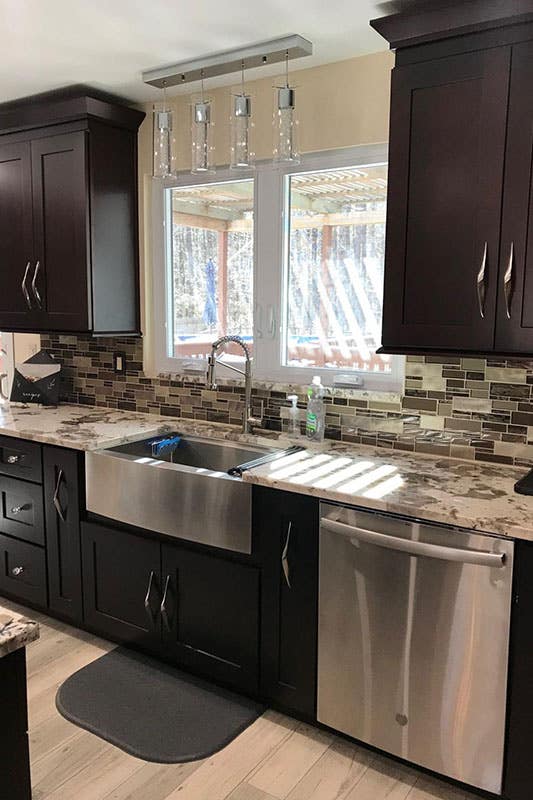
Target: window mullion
<point>268,272</point>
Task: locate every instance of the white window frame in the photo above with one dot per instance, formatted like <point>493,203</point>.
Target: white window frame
<point>270,271</point>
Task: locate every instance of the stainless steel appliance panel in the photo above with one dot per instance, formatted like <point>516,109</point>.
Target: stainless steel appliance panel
<point>198,504</point>
<point>413,640</point>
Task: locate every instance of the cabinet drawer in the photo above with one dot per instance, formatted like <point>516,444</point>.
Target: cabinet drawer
<point>21,510</point>
<point>20,459</point>
<point>23,570</point>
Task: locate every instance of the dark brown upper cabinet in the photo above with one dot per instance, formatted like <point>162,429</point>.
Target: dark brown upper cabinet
<point>458,268</point>
<point>68,215</point>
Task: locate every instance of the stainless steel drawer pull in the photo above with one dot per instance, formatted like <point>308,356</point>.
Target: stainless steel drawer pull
<point>16,571</point>
<point>480,282</point>
<point>34,287</point>
<point>147,600</point>
<point>285,557</point>
<point>17,509</point>
<point>56,501</point>
<point>480,558</point>
<point>508,283</point>
<point>24,287</point>
<point>164,610</point>
<point>13,459</point>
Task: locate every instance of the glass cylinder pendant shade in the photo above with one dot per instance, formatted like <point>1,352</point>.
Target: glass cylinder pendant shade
<point>286,128</point>
<point>202,137</point>
<point>164,142</point>
<point>241,125</point>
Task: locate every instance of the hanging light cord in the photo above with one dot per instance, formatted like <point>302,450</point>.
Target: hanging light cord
<point>287,68</point>
<point>202,84</point>
<point>242,77</point>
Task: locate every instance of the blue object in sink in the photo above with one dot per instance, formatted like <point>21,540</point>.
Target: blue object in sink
<point>159,446</point>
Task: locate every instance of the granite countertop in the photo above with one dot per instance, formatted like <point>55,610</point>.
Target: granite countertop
<point>79,427</point>
<point>17,633</point>
<point>451,491</point>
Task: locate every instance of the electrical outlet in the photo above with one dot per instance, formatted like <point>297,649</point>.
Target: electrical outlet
<point>119,363</point>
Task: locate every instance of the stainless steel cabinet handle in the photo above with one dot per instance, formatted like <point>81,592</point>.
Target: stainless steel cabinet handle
<point>16,571</point>
<point>56,500</point>
<point>508,282</point>
<point>34,287</point>
<point>164,610</point>
<point>147,599</point>
<point>23,285</point>
<point>285,557</point>
<point>480,282</point>
<point>480,558</point>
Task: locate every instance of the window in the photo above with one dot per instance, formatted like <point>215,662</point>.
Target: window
<point>211,266</point>
<point>291,260</point>
<point>335,268</point>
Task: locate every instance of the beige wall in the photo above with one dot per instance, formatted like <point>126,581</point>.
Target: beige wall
<point>339,105</point>
<point>26,345</point>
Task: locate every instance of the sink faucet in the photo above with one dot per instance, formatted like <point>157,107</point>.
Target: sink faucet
<point>248,421</point>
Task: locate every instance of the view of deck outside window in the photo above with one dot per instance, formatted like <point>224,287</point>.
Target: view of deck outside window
<point>334,276</point>
<point>212,251</point>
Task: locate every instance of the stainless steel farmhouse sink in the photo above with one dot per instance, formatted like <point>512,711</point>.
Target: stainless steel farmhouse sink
<point>185,493</point>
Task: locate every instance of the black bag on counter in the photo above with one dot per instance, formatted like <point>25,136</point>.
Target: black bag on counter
<point>36,380</point>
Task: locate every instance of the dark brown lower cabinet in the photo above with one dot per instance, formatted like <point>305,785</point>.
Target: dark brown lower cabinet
<point>210,615</point>
<point>199,609</point>
<point>121,584</point>
<point>14,749</point>
<point>287,527</point>
<point>63,483</point>
<point>518,775</point>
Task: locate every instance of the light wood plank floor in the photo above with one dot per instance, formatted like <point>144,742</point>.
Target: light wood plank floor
<point>275,758</point>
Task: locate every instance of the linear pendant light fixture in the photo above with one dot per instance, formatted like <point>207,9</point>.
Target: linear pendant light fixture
<point>226,62</point>
<point>241,124</point>
<point>162,135</point>
<point>202,134</point>
<point>285,123</point>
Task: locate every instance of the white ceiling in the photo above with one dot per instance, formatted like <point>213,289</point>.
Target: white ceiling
<point>46,44</point>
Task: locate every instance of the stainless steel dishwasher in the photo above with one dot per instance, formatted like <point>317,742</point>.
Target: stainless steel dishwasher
<point>413,640</point>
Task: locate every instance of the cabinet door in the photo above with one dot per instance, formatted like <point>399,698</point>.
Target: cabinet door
<point>61,231</point>
<point>514,332</point>
<point>287,525</point>
<point>518,773</point>
<point>210,615</point>
<point>447,141</point>
<point>121,580</point>
<point>16,237</point>
<point>62,476</point>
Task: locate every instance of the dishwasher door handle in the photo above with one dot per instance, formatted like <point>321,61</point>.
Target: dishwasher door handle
<point>480,558</point>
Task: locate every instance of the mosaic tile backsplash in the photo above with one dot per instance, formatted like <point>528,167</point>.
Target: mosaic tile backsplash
<point>460,407</point>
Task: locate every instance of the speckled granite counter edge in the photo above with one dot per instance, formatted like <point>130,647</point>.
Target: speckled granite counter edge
<point>18,634</point>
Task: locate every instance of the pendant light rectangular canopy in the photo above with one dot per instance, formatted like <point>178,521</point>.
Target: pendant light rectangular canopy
<point>225,62</point>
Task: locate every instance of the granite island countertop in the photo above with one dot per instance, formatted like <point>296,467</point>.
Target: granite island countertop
<point>451,491</point>
<point>18,633</point>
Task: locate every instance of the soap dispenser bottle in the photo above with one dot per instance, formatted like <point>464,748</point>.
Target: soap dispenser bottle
<point>294,416</point>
